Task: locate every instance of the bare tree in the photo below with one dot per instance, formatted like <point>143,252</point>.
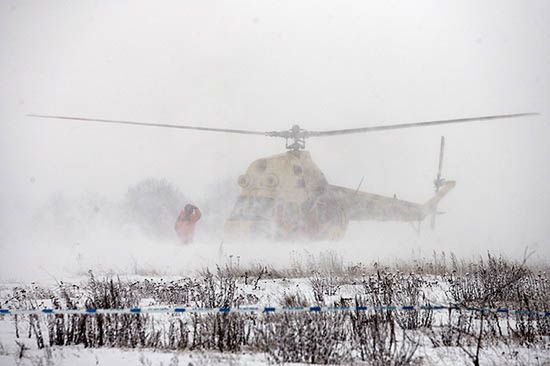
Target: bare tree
<point>153,204</point>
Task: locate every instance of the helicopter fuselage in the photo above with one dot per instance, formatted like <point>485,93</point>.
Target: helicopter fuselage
<point>286,197</point>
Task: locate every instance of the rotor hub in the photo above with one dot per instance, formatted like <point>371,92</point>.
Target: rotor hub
<point>297,137</point>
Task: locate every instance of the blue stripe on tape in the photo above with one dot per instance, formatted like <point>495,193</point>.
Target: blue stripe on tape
<point>179,310</point>
<point>361,308</point>
<point>135,310</point>
<point>91,311</point>
<point>408,307</point>
<point>47,311</point>
<point>4,311</point>
<point>269,309</point>
<point>502,310</point>
<point>314,308</point>
<point>225,310</point>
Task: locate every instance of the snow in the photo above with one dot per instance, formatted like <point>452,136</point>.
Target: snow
<point>80,356</point>
<point>259,290</point>
<point>76,355</point>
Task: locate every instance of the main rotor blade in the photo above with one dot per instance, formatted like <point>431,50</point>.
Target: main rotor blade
<point>113,121</point>
<point>414,124</point>
<point>441,151</point>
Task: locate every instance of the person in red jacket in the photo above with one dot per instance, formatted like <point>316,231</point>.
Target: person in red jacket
<point>185,224</point>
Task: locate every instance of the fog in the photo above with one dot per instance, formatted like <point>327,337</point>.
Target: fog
<point>266,66</point>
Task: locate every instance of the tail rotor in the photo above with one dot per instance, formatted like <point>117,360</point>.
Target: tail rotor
<point>438,181</point>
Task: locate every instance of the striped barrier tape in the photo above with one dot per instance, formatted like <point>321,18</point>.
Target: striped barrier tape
<point>266,309</point>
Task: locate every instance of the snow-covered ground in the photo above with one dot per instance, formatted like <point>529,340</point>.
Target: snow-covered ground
<point>70,356</point>
<point>10,355</point>
<point>329,282</point>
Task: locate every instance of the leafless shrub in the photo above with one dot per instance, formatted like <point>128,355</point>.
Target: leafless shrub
<point>21,349</point>
<point>456,331</point>
<point>217,290</point>
<point>499,283</point>
<point>324,285</point>
<point>293,300</point>
<point>222,332</point>
<point>382,336</point>
<point>386,288</point>
<point>306,337</point>
<point>251,272</point>
<point>184,291</point>
<point>375,336</point>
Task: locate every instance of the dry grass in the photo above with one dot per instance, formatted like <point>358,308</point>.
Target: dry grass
<point>381,337</point>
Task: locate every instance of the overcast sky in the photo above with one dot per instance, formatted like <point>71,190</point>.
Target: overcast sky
<point>266,65</point>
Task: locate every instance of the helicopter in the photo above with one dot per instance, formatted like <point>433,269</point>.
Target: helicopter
<point>286,197</point>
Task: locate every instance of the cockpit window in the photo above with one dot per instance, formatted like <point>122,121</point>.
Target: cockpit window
<point>253,208</point>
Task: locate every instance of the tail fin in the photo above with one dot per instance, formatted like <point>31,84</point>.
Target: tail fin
<point>431,205</point>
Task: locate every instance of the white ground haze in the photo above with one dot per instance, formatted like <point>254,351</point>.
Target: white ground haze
<point>266,66</point>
